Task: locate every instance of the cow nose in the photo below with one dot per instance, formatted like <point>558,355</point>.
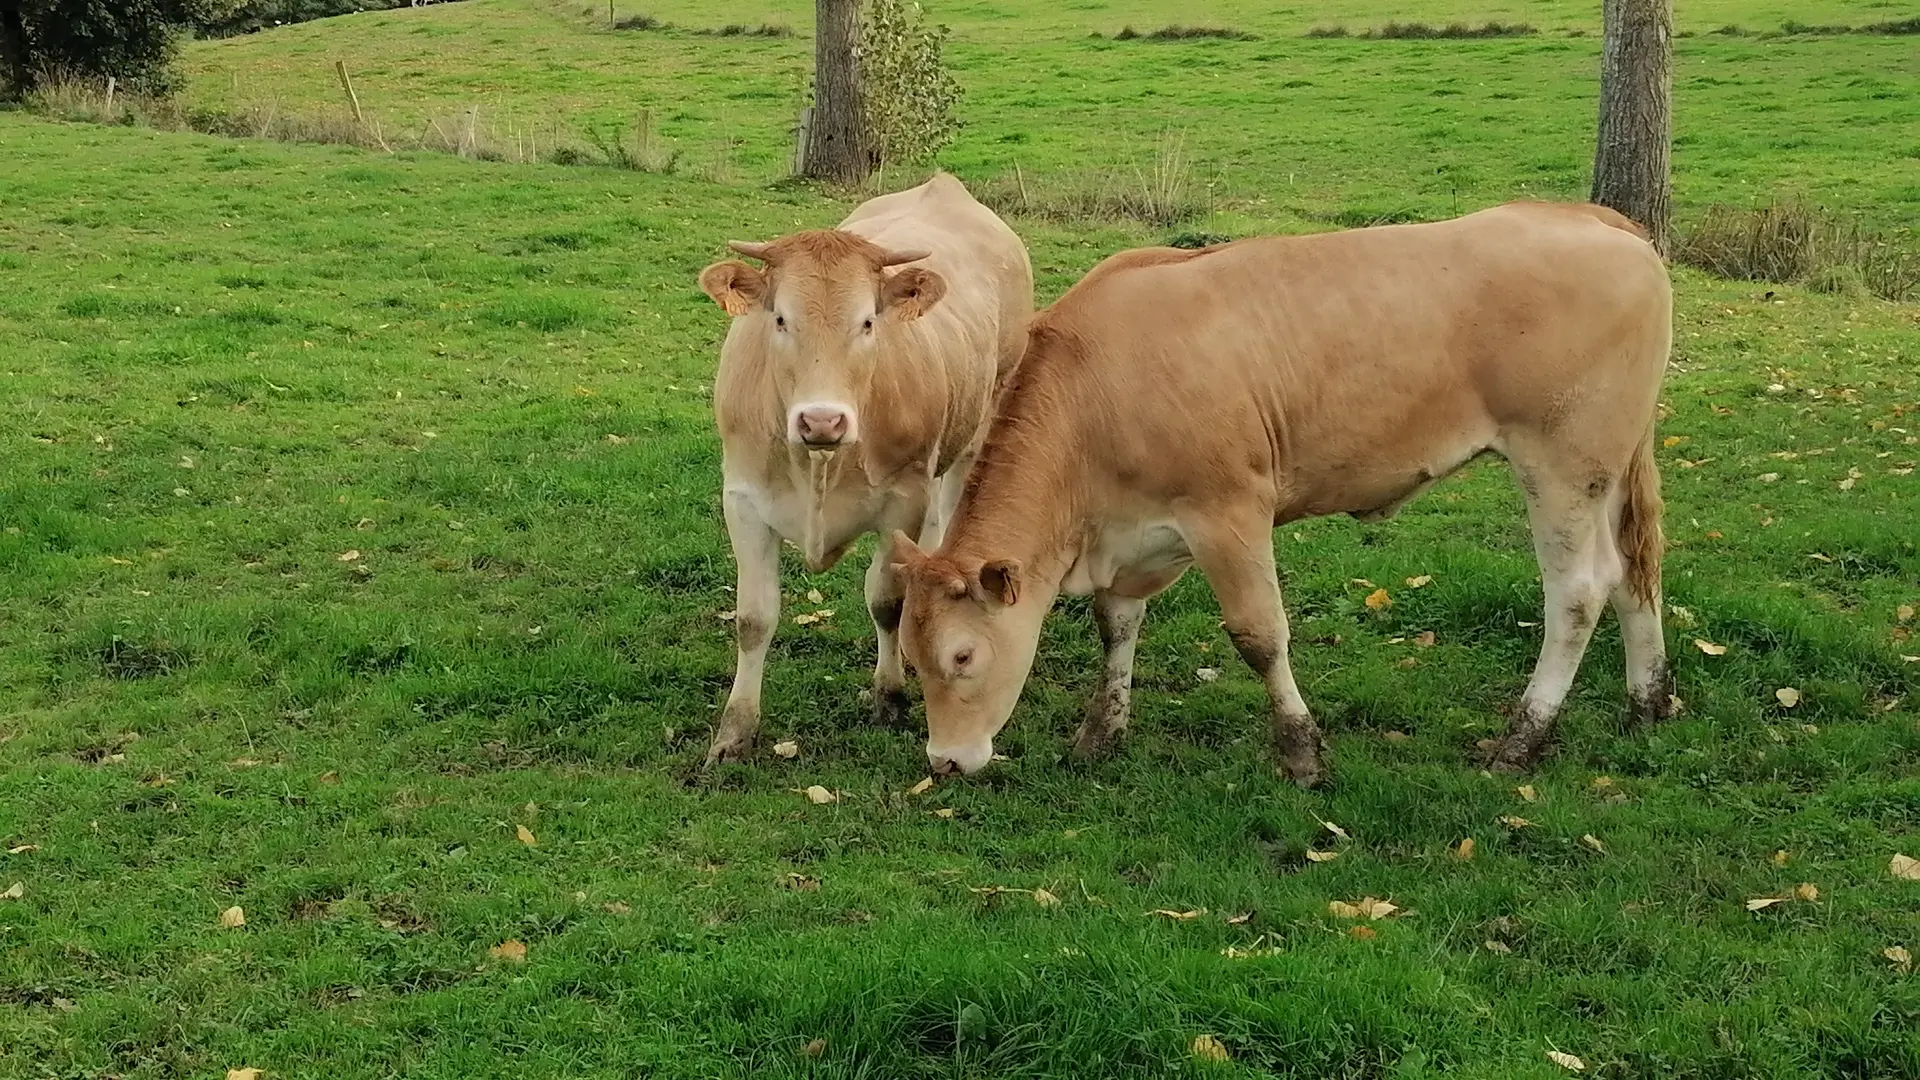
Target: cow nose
<point>944,766</point>
<point>821,425</point>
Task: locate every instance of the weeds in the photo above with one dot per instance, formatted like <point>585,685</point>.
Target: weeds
<point>1890,28</point>
<point>764,30</point>
<point>1162,194</point>
<point>1184,33</point>
<point>1792,243</point>
<point>639,22</point>
<point>1426,31</point>
<point>636,148</point>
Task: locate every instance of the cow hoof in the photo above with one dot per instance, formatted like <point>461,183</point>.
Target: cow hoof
<point>1514,754</point>
<point>730,747</point>
<point>1091,744</point>
<point>891,708</point>
<point>1307,770</point>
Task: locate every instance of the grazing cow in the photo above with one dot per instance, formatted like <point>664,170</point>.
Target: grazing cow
<point>851,397</point>
<point>1174,406</point>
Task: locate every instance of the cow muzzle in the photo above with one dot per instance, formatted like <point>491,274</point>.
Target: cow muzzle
<point>820,426</point>
<point>958,760</point>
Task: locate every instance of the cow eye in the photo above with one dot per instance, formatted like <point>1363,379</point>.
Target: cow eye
<point>868,327</point>
<point>780,322</point>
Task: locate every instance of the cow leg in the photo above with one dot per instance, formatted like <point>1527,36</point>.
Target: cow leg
<point>885,595</point>
<point>1119,618</point>
<point>1579,566</point>
<point>756,555</point>
<point>1236,555</point>
<point>1649,683</point>
<point>946,499</point>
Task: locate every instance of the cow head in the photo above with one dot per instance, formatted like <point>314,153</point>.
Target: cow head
<point>969,628</point>
<point>822,309</point>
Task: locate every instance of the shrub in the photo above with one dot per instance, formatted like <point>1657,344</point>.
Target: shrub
<point>908,92</point>
<point>1791,243</point>
<point>132,41</point>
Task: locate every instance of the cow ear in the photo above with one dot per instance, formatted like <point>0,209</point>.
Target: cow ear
<point>912,292</point>
<point>904,553</point>
<point>734,285</point>
<point>1000,581</point>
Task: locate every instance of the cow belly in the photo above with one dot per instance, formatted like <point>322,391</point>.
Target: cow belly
<point>1137,558</point>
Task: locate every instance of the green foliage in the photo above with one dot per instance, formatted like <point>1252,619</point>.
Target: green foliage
<point>909,93</point>
<point>249,16</point>
<point>133,41</point>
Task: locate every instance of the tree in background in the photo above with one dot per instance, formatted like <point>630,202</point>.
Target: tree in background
<point>837,148</point>
<point>910,95</point>
<point>131,40</point>
<point>1632,160</point>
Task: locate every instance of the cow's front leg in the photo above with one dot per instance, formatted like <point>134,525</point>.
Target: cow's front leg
<point>1119,619</point>
<point>885,595</point>
<point>756,555</point>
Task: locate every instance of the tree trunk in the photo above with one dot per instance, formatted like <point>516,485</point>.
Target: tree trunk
<point>837,143</point>
<point>17,76</point>
<point>1632,160</point>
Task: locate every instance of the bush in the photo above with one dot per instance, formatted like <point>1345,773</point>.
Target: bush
<point>1791,243</point>
<point>908,92</point>
<point>248,16</point>
<point>131,41</point>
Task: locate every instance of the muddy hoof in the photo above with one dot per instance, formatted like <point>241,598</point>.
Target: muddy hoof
<point>1307,770</point>
<point>1092,744</point>
<point>1514,754</point>
<point>891,708</point>
<point>730,746</point>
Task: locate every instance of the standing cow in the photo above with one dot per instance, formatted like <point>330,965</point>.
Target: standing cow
<point>1175,406</point>
<point>854,388</point>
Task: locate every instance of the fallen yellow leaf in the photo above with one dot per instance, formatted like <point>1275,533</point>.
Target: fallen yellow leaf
<point>814,1048</point>
<point>947,812</point>
<point>1780,858</point>
<point>23,849</point>
<point>350,556</point>
<point>1904,868</point>
<point>1601,783</point>
<point>1904,613</point>
<point>525,834</point>
<point>1464,850</point>
<point>787,749</point>
<point>244,1074</point>
<point>1761,902</point>
<point>1420,582</point>
<point>617,907</point>
<point>1178,916</point>
<point>1334,829</point>
<point>1672,441</point>
<point>1045,898</point>
<point>1512,821</point>
<point>1787,696</point>
<point>814,597</point>
<point>1527,792</point>
<point>14,892</point>
<point>1208,1048</point>
<point>1709,647</point>
<point>1378,600</point>
<point>233,918</point>
<point>1806,891</point>
<point>1902,959</point>
<point>819,796</point>
<point>1500,947</point>
<point>1593,842</point>
<point>1425,639</point>
<point>510,950</point>
<point>1362,933</point>
<point>1396,736</point>
<point>1566,1061</point>
<point>1321,856</point>
<point>1366,907</point>
<point>1241,919</point>
<point>922,787</point>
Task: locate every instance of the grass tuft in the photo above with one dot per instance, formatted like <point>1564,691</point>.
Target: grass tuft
<point>1427,31</point>
<point>1161,193</point>
<point>1790,242</point>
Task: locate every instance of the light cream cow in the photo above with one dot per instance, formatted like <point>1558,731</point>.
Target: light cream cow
<point>1174,406</point>
<point>854,388</point>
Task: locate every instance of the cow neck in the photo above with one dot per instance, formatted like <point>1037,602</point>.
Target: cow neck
<point>1022,500</point>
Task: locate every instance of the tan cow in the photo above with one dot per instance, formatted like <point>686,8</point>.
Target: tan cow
<point>851,397</point>
<point>1174,406</point>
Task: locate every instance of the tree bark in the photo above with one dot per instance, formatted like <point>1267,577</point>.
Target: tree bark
<point>837,144</point>
<point>18,73</point>
<point>1632,170</point>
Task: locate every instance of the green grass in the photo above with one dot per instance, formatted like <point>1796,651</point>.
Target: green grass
<point>228,364</point>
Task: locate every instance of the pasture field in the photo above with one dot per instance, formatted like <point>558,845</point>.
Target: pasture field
<point>358,512</point>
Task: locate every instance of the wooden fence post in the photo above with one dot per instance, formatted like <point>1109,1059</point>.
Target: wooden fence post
<point>110,88</point>
<point>346,83</point>
<point>803,135</point>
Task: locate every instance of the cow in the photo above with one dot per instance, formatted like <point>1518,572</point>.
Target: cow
<point>854,387</point>
<point>1174,406</point>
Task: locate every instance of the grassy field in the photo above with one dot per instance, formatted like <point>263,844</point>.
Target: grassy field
<point>359,511</point>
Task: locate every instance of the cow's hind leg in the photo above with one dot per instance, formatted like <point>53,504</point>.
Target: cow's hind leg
<point>1580,565</point>
<point>1235,552</point>
<point>1119,619</point>
<point>756,556</point>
